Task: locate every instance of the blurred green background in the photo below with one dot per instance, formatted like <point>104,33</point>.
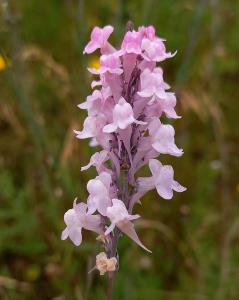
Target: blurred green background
<point>194,237</point>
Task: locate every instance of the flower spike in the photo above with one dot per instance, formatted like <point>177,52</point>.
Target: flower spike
<point>124,110</point>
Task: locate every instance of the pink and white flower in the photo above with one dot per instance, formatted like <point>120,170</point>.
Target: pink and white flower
<point>154,50</point>
<point>92,103</point>
<point>97,160</point>
<point>99,38</point>
<point>153,85</point>
<point>92,126</point>
<point>162,180</point>
<point>119,216</point>
<point>131,43</point>
<point>166,105</point>
<point>123,116</point>
<point>76,218</point>
<point>99,194</point>
<point>147,32</point>
<point>162,138</point>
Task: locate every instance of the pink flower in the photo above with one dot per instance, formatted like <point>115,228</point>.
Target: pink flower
<point>166,105</point>
<point>162,138</point>
<point>152,85</point>
<point>108,63</point>
<point>147,32</point>
<point>97,160</point>
<point>99,37</point>
<point>154,50</point>
<point>119,216</point>
<point>131,43</point>
<point>99,193</point>
<point>162,180</point>
<point>92,103</point>
<point>123,116</point>
<point>92,126</point>
<point>76,219</point>
<point>95,102</point>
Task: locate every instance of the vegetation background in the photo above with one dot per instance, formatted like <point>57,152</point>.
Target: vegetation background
<point>194,237</point>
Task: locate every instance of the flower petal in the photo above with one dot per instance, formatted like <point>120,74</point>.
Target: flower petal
<point>155,167</point>
<point>64,234</point>
<point>109,128</point>
<point>76,236</point>
<point>128,228</point>
<point>178,187</point>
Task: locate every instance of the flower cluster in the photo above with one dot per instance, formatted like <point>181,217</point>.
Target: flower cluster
<point>124,111</point>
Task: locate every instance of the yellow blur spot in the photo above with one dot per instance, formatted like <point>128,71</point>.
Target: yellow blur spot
<point>237,188</point>
<point>94,63</point>
<point>3,63</point>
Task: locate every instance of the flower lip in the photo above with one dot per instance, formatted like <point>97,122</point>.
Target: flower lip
<point>99,37</point>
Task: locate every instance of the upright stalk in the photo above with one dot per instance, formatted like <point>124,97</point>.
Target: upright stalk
<point>123,190</point>
<point>111,276</point>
